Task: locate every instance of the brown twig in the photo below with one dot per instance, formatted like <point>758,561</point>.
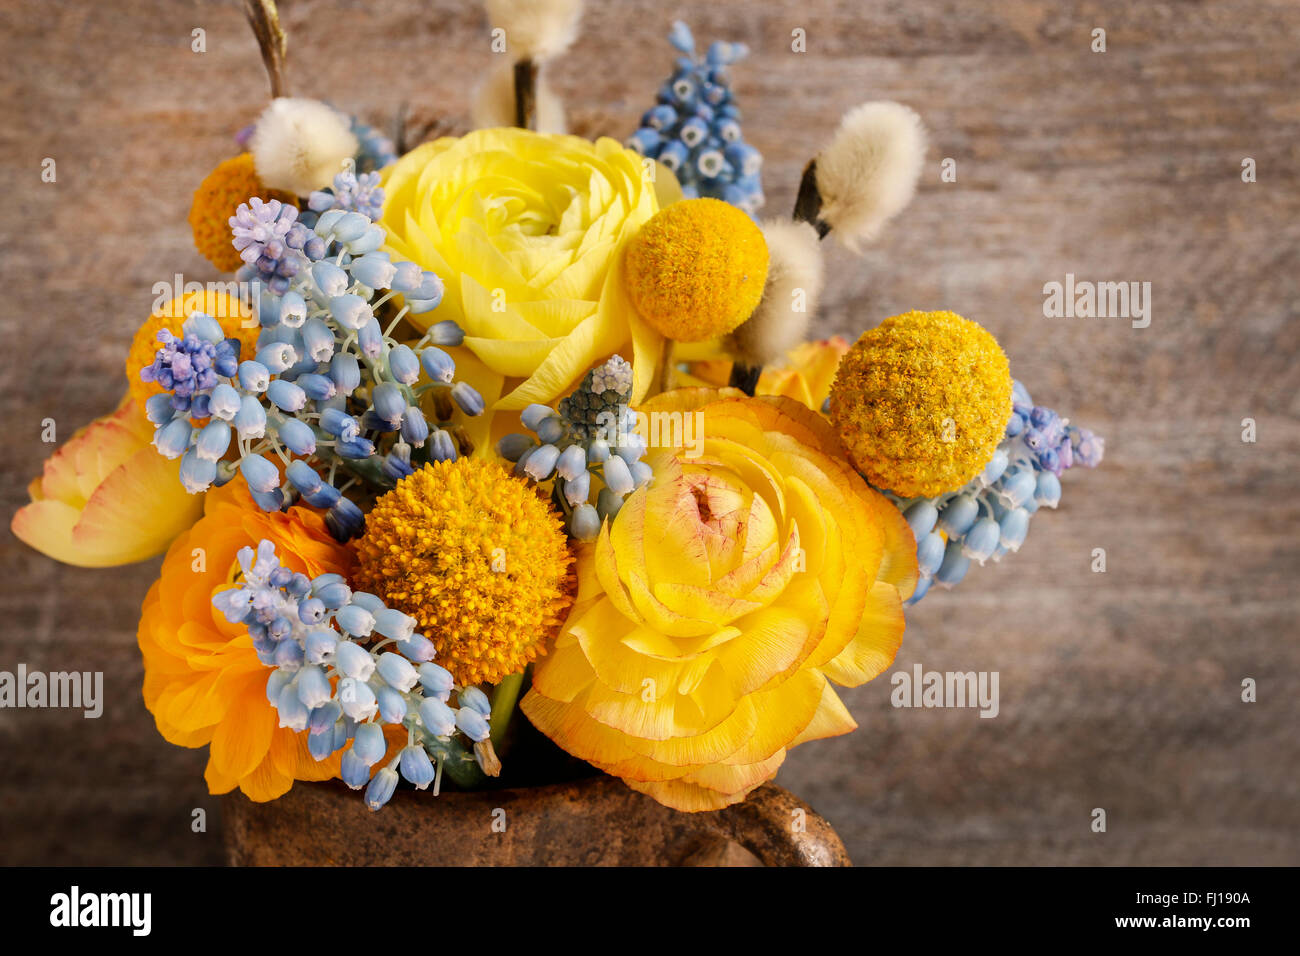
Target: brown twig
<point>265,21</point>
<point>525,93</point>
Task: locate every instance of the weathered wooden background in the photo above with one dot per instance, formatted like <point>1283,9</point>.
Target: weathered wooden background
<point>1119,690</point>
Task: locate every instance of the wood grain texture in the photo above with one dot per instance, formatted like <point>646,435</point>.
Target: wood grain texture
<point>1118,690</point>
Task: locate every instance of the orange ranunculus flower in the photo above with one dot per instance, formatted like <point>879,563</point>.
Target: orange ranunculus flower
<point>203,682</point>
<point>107,497</point>
<point>713,609</point>
<point>805,375</point>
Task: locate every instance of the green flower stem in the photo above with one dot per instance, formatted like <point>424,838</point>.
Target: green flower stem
<point>504,698</point>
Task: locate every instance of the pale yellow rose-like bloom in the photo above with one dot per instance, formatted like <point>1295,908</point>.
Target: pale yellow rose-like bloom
<point>714,611</point>
<point>527,231</point>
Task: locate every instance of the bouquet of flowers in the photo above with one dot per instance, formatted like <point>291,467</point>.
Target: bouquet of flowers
<point>520,421</point>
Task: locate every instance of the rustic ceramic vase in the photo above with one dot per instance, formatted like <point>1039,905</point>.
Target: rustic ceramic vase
<point>596,821</point>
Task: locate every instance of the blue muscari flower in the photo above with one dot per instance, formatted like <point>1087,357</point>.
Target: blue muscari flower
<point>260,474</point>
<point>585,524</point>
<point>261,231</point>
<point>436,680</point>
<point>417,647</point>
<point>954,566</point>
<point>397,463</point>
<point>446,333</point>
<point>369,744</point>
<point>397,671</point>
<point>213,441</point>
<point>381,789</point>
<point>355,620</point>
<point>391,703</point>
<point>1013,525</point>
<point>438,719</point>
<point>472,724</point>
<point>324,716</point>
<point>291,710</point>
<point>314,688</point>
<point>297,436</point>
<point>403,365</point>
<point>694,130</point>
<point>416,766</point>
<point>475,699</point>
<point>442,447</point>
<point>197,473</point>
<point>357,699</point>
<point>354,771</point>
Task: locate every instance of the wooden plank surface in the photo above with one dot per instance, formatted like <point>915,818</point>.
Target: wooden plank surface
<point>1118,690</point>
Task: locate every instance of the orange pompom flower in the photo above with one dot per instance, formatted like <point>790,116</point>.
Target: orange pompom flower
<point>203,682</point>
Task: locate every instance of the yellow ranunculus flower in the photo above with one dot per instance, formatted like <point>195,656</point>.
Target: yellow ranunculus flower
<point>711,612</point>
<point>107,497</point>
<point>527,231</point>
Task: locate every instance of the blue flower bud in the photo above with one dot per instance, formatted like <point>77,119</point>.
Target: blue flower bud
<point>389,403</point>
<point>415,429</point>
<point>350,311</point>
<point>354,771</point>
<point>472,724</point>
<point>374,270</point>
<point>370,338</point>
<point>357,699</point>
<point>513,445</point>
<point>346,372</point>
<point>392,705</point>
<point>393,623</point>
<point>276,683</point>
<point>469,400</point>
<point>158,408</point>
<point>438,719</point>
<point>955,565</point>
<point>578,489</point>
<point>416,766</point>
<point>223,402</point>
<point>203,326</point>
<point>353,660</point>
<point>675,154</point>
<point>442,447</point>
<point>475,699</point>
<point>572,463</point>
<point>335,594</point>
<point>541,462</point>
<point>994,469</point>
<point>330,279</point>
<point>319,388</point>
<point>550,430</point>
<point>350,226</point>
<point>356,620</point>
<point>286,396</point>
<point>313,687</point>
<point>929,553</point>
<point>260,474</point>
<point>693,131</point>
<point>317,340</point>
<point>646,140</point>
<point>321,745</point>
<point>172,439</point>
<point>197,473</point>
<point>438,365</point>
<point>1017,488</point>
<point>417,647</point>
<point>276,357</point>
<point>436,681</point>
<point>446,333</point>
<point>958,515</point>
<point>323,717</point>
<point>598,451</point>
<point>368,241</point>
<point>585,524</point>
<point>369,744</point>
<point>1047,489</point>
<point>403,365</point>
<point>617,476</point>
<point>253,376</point>
<point>382,787</point>
<point>1014,526</point>
<point>397,465</point>
<point>296,436</point>
<point>533,416</point>
<point>288,653</point>
<point>921,517</point>
<point>631,448</point>
<point>396,671</point>
<point>745,159</point>
<point>213,441</point>
<point>319,644</point>
<point>293,310</point>
<point>291,710</point>
<point>982,540</point>
<point>358,449</point>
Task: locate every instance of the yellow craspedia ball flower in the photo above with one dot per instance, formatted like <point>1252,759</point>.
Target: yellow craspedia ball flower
<point>921,402</point>
<point>697,269</point>
<point>474,555</point>
<point>235,318</point>
<point>215,201</point>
